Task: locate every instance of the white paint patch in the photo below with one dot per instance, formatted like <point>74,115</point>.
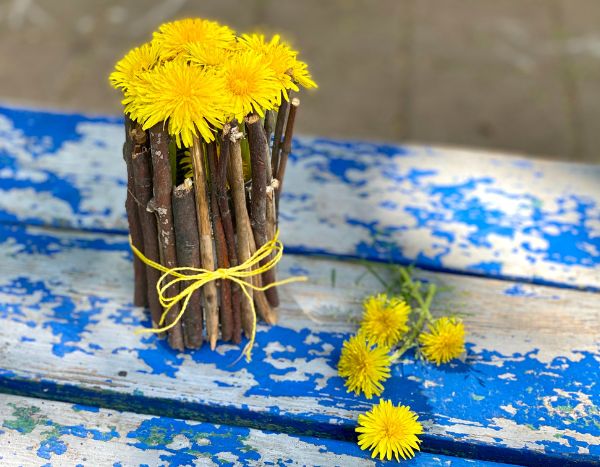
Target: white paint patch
<point>509,408</point>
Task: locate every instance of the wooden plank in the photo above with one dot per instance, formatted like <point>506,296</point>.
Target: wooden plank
<point>37,431</point>
<point>445,209</point>
<point>527,391</point>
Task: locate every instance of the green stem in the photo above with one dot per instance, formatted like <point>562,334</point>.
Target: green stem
<point>372,270</point>
<point>423,310</point>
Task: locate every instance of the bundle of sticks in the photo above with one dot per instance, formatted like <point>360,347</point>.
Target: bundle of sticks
<point>208,206</point>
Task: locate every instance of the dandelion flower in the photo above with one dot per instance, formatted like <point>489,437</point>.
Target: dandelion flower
<point>389,430</point>
<point>385,320</point>
<point>281,58</point>
<point>301,74</point>
<point>444,341</point>
<point>174,37</point>
<point>364,366</point>
<point>276,55</point>
<point>189,97</point>
<point>132,100</point>
<point>206,55</point>
<point>129,68</point>
<point>250,86</point>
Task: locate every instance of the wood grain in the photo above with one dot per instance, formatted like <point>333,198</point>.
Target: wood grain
<point>42,432</point>
<point>188,255</point>
<point>209,291</point>
<point>526,392</point>
<point>448,209</point>
<point>160,204</point>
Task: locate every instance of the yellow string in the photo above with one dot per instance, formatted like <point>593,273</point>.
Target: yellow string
<point>199,277</point>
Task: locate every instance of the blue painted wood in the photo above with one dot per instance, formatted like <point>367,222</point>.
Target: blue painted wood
<point>526,393</point>
<point>38,432</point>
<point>445,209</point>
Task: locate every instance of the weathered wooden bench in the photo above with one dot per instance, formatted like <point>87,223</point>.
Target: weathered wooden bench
<point>513,243</point>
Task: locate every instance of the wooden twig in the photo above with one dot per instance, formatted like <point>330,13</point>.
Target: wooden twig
<point>263,307</point>
<point>225,311</point>
<point>188,255</point>
<point>160,204</point>
<point>140,294</point>
<point>235,174</point>
<point>269,124</point>
<point>142,175</point>
<point>286,147</point>
<point>258,201</point>
<point>271,214</point>
<point>211,306</point>
<point>279,126</point>
<point>270,219</point>
<point>223,202</point>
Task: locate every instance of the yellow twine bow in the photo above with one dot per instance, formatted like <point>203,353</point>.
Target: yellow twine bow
<point>200,277</point>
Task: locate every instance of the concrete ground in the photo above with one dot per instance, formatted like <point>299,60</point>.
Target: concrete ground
<point>517,75</point>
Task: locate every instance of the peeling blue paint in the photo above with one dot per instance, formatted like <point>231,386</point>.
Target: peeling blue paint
<point>461,213</point>
<point>452,218</point>
<point>51,446</point>
<point>85,408</point>
<point>517,290</point>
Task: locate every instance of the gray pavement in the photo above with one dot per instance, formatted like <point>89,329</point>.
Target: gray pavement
<point>516,75</point>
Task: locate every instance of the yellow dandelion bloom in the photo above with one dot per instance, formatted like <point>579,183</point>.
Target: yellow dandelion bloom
<point>133,95</point>
<point>302,76</point>
<point>249,85</point>
<point>173,38</point>
<point>190,98</point>
<point>282,59</point>
<point>364,366</point>
<point>385,319</point>
<point>444,341</point>
<point>389,430</point>
<point>206,55</point>
<point>276,55</point>
<point>129,68</point>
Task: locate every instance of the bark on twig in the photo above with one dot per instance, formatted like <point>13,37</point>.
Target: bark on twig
<point>142,174</point>
<point>258,202</point>
<point>263,307</point>
<point>188,255</point>
<point>225,312</point>
<point>286,147</point>
<point>160,204</point>
<point>271,215</point>
<point>242,224</point>
<point>223,202</point>
<point>211,306</point>
<point>269,124</point>
<point>279,126</point>
<point>140,293</point>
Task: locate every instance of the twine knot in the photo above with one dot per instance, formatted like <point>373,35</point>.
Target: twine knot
<point>269,254</point>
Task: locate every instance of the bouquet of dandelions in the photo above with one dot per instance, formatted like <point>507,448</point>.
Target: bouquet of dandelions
<point>391,325</point>
<point>201,106</point>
